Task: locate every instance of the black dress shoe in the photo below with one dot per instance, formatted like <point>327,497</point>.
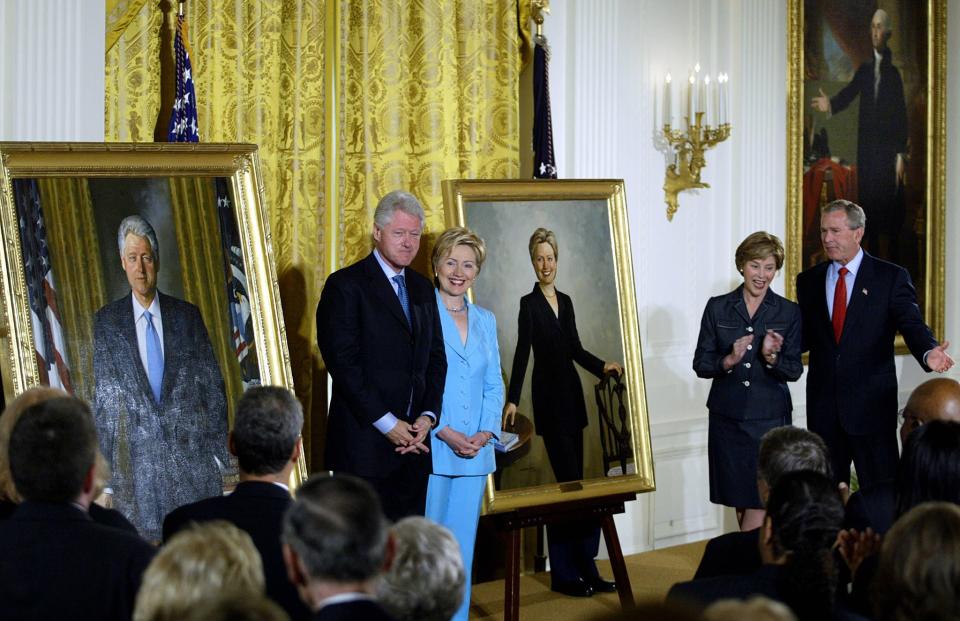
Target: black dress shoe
<point>599,585</point>
<point>577,588</point>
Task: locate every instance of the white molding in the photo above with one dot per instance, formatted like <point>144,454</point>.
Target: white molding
<point>52,79</point>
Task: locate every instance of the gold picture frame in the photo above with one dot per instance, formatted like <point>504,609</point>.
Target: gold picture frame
<point>913,236</point>
<point>84,190</point>
<point>590,221</point>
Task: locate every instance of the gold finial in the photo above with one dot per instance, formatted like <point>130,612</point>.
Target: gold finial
<point>539,9</point>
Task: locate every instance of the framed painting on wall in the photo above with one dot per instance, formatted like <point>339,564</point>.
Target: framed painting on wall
<point>866,122</point>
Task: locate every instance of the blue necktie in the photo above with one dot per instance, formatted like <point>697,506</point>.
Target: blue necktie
<point>402,294</point>
<point>154,357</point>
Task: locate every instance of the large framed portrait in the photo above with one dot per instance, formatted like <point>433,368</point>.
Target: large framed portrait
<point>866,118</point>
<point>595,307</point>
<point>140,278</point>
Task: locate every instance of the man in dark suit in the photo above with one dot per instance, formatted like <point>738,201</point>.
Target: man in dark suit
<point>57,563</point>
<point>881,136</point>
<point>335,544</point>
<point>782,450</point>
<point>159,400</point>
<point>852,307</point>
<point>379,332</point>
<point>266,441</point>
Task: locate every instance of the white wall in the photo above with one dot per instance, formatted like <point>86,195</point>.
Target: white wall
<point>608,59</point>
<point>52,70</point>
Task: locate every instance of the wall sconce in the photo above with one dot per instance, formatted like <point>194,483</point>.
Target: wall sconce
<point>704,112</point>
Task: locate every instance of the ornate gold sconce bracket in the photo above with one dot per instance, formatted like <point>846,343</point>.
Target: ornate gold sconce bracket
<point>690,146</point>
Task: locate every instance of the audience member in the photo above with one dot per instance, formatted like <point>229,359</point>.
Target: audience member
<point>266,441</point>
<point>9,497</point>
<point>919,573</point>
<point>425,580</point>
<point>237,607</point>
<point>335,543</point>
<point>57,563</point>
<point>873,506</point>
<point>757,608</point>
<point>782,450</point>
<point>930,466</point>
<point>804,512</point>
<point>208,560</point>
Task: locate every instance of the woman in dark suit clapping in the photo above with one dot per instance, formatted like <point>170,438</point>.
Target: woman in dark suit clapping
<point>750,346</point>
<point>548,325</point>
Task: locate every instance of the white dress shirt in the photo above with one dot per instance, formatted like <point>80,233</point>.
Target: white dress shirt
<point>141,323</point>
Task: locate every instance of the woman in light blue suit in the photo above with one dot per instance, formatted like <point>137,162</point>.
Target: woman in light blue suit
<point>462,443</point>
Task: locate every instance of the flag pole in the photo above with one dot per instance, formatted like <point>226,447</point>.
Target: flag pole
<point>180,9</point>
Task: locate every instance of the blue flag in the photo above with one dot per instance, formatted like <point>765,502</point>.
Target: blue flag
<point>183,119</point>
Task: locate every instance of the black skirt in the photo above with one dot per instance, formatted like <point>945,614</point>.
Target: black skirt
<point>732,448</point>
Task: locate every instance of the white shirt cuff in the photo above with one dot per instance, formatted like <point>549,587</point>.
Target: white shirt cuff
<point>385,423</point>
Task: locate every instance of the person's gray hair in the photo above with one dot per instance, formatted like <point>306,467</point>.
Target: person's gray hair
<point>138,225</point>
<point>790,449</point>
<point>885,20</point>
<point>266,428</point>
<point>426,579</point>
<point>856,219</point>
<point>337,528</point>
<point>398,200</point>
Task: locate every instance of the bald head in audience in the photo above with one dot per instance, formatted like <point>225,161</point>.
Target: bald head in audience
<point>936,399</point>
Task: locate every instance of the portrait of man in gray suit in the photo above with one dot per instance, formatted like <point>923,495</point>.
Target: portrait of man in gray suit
<point>159,401</point>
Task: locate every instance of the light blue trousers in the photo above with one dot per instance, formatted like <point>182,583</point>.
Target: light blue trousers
<point>455,502</point>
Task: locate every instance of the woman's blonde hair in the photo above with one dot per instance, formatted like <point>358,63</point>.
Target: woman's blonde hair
<point>11,414</point>
<point>543,236</point>
<point>200,563</point>
<point>458,236</point>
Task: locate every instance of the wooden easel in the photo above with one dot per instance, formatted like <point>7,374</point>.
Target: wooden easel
<point>603,508</point>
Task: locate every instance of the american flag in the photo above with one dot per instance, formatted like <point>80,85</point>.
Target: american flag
<point>48,339</point>
<point>238,302</point>
<point>183,119</point>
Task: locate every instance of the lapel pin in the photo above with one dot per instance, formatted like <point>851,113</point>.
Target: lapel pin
<point>864,291</point>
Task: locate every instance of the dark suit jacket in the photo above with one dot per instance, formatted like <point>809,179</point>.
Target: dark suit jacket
<point>735,553</point>
<point>359,610</point>
<point>257,508</point>
<point>855,381</point>
<point>59,564</point>
<point>558,406</point>
<point>100,515</point>
<point>881,133</point>
<point>379,363</point>
<point>162,456</point>
<point>752,389</point>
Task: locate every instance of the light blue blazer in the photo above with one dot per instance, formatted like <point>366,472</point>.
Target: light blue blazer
<point>473,394</point>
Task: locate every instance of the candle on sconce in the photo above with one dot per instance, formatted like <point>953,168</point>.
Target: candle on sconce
<point>691,98</point>
<point>666,102</point>
<point>723,98</point>
<point>706,100</point>
<point>715,100</point>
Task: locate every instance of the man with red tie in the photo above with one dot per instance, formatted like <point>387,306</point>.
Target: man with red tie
<point>852,307</point>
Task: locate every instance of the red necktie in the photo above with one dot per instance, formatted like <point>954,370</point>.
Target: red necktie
<point>840,304</point>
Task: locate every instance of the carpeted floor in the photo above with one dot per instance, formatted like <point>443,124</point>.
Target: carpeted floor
<point>651,576</point>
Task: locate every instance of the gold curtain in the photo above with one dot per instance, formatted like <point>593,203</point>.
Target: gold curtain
<point>132,75</point>
<point>78,273</point>
<point>193,202</point>
<point>428,91</point>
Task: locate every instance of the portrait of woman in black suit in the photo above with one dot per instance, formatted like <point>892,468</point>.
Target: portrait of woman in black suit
<point>749,345</point>
<point>547,324</point>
